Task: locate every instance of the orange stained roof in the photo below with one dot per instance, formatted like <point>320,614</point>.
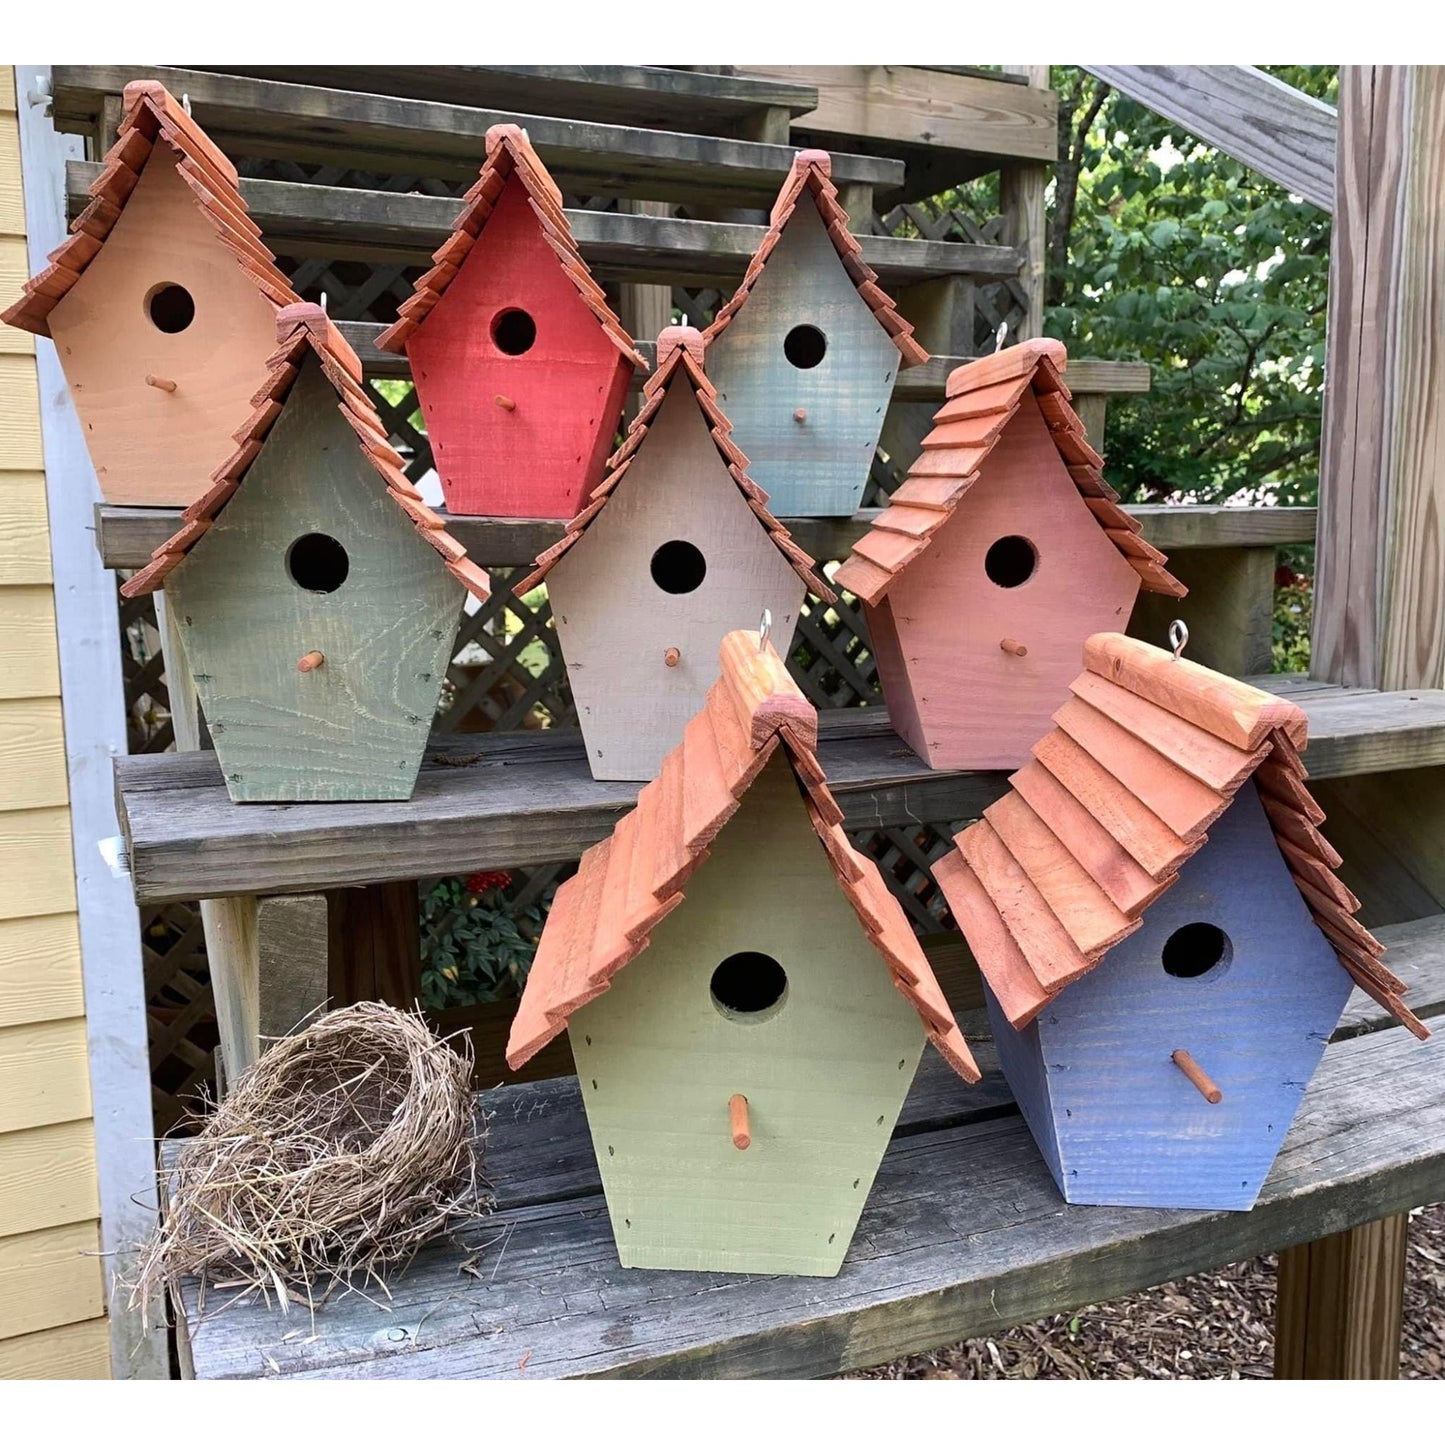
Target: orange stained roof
<point>680,356</point>
<point>983,396</point>
<point>509,153</point>
<point>1147,752</point>
<point>812,171</point>
<point>152,116</point>
<point>602,918</point>
<point>300,329</point>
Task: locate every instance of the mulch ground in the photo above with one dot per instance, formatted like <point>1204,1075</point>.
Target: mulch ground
<point>1208,1327</point>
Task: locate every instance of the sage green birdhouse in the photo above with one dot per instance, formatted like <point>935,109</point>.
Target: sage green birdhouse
<point>316,595</point>
<point>743,1072</point>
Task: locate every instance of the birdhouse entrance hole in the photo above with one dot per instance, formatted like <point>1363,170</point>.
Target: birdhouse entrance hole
<point>1195,949</point>
<point>1010,562</point>
<point>805,347</point>
<point>317,562</point>
<point>678,567</point>
<point>748,985</point>
<point>171,308</point>
<point>513,331</point>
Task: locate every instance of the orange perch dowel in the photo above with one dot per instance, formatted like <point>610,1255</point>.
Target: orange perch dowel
<point>738,1121</point>
<point>1014,649</point>
<point>310,662</point>
<point>161,383</point>
<point>801,415</point>
<point>1197,1076</point>
<point>672,657</point>
<point>506,403</point>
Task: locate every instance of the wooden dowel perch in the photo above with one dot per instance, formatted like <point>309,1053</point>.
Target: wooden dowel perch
<point>1014,649</point>
<point>310,662</point>
<point>672,657</point>
<point>161,383</point>
<point>801,415</point>
<point>1197,1076</point>
<point>738,1121</point>
<point>506,403</point>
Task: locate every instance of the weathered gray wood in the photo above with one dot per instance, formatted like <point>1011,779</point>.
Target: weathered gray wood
<point>1245,112</point>
<point>964,1235</point>
<point>1229,610</point>
<point>291,943</point>
<point>126,536</point>
<point>1021,202</point>
<point>388,134</point>
<point>519,799</point>
<point>336,221</point>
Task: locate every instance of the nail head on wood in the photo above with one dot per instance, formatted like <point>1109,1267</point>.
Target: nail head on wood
<point>738,1121</point>
<point>161,383</point>
<point>310,662</point>
<point>1197,1076</point>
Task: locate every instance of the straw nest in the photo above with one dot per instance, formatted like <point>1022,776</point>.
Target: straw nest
<point>340,1152</point>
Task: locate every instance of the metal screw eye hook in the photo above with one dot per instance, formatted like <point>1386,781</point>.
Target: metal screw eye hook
<point>764,628</point>
<point>999,335</point>
<point>1178,637</point>
<point>323,301</point>
<point>185,102</point>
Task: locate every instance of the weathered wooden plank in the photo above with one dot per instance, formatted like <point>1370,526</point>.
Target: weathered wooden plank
<point>127,536</point>
<point>1245,112</point>
<point>964,1234</point>
<point>388,134</point>
<point>337,221</point>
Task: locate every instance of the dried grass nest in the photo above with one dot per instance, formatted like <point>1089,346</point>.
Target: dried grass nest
<point>337,1155</point>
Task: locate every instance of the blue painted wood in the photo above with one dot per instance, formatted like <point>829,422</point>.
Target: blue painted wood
<point>1022,1059</point>
<point>817,467</point>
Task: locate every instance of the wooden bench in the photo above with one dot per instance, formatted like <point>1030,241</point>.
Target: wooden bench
<point>963,1235</point>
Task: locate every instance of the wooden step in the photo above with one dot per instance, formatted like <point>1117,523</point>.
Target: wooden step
<point>656,96</point>
<point>964,1234</point>
<point>391,135</point>
<point>126,536</point>
<point>335,221</point>
<point>495,800</point>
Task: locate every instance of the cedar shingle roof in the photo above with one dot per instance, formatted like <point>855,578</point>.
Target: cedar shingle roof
<point>152,116</point>
<point>301,328</point>
<point>983,396</point>
<point>509,153</point>
<point>680,354</point>
<point>812,171</point>
<point>1146,754</point>
<point>602,918</point>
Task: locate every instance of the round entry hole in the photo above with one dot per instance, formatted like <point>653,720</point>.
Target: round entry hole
<point>805,347</point>
<point>317,562</point>
<point>748,983</point>
<point>171,308</point>
<point>1010,562</point>
<point>513,332</point>
<point>1195,949</point>
<point>678,567</point>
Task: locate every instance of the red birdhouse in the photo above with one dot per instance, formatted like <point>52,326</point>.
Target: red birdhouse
<point>520,365</point>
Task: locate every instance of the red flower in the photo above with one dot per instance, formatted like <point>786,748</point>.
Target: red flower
<point>488,878</point>
<point>1285,576</point>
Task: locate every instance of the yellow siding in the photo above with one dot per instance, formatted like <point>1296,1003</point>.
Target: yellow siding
<point>52,1309</point>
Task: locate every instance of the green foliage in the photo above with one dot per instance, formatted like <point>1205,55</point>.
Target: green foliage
<point>1293,608</point>
<point>476,943</point>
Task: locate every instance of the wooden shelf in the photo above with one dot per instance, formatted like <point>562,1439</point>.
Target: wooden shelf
<point>517,799</point>
<point>964,1234</point>
<point>127,536</point>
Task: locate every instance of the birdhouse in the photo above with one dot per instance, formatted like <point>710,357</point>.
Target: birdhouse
<point>743,1048</point>
<point>676,549</point>
<point>162,306</point>
<point>316,596</point>
<point>805,354</point>
<point>1002,551</point>
<point>520,366</point>
<point>1165,943</point>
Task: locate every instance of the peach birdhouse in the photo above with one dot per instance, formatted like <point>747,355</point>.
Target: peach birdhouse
<point>162,306</point>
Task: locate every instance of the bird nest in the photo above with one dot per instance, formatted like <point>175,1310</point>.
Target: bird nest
<point>334,1158</point>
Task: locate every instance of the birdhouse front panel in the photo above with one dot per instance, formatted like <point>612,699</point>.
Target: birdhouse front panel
<point>761,984</point>
<point>311,558</point>
<point>163,340</point>
<point>805,373</point>
<point>675,560</point>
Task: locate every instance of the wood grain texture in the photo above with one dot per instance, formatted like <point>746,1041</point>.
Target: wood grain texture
<point>614,623</point>
<point>354,728</point>
<point>978,706</point>
<point>291,960</point>
<point>28,663</point>
<point>49,1277</point>
<point>80,1351</point>
<point>24,528</point>
<point>47,1177</point>
<point>44,1077</point>
<point>1229,610</point>
<point>151,447</point>
<point>374,944</point>
<point>14,270</point>
<point>817,467</point>
<point>36,863</point>
<point>1267,125</point>
<point>824,1073</point>
<point>32,754</point>
<point>40,969</point>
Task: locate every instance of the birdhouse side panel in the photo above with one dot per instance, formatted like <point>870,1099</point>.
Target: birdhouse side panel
<point>1021,564</point>
<point>804,372</point>
<point>1021,1057</point>
<point>521,389</point>
<point>674,562</point>
<point>893,676</point>
<point>313,514</point>
<point>824,1067</point>
<point>164,298</point>
<point>1229,966</point>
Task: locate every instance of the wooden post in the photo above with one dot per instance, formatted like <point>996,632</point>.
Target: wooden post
<point>374,944</point>
<point>1340,1305</point>
<point>1379,621</point>
<point>291,938</point>
<point>1021,200</point>
<point>643,310</point>
<point>1229,609</point>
